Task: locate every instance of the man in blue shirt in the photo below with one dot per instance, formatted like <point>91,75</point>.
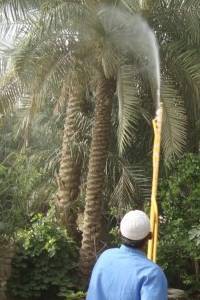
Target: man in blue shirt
<point>125,273</point>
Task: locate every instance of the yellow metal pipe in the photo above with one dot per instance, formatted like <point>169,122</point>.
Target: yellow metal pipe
<point>154,220</point>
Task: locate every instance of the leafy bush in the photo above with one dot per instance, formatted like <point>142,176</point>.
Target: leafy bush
<point>22,192</point>
<point>179,250</point>
<point>194,235</point>
<point>27,174</point>
<point>75,296</point>
<point>45,264</point>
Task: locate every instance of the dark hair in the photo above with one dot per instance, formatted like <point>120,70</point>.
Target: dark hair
<point>135,244</point>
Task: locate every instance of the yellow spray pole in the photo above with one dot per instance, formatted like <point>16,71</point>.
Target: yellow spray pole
<point>157,126</point>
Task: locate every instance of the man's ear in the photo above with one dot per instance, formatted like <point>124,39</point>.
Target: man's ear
<point>150,236</point>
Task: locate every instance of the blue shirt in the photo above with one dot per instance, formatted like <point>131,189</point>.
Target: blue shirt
<point>126,274</point>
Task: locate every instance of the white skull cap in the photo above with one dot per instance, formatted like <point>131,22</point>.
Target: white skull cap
<point>135,225</point>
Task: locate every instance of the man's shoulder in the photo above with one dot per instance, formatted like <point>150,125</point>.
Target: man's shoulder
<point>106,256</point>
<point>154,269</point>
<point>110,251</point>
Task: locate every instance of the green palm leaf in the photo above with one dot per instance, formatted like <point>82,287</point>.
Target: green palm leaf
<point>132,189</point>
<point>63,14</point>
<point>42,64</point>
<point>129,105</point>
<point>132,6</point>
<point>185,65</point>
<point>110,61</point>
<point>168,15</point>
<point>174,121</point>
<point>10,90</point>
<point>16,9</point>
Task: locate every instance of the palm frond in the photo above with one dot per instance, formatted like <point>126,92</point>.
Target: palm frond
<point>192,27</point>
<point>62,98</point>
<point>132,189</point>
<point>129,105</point>
<point>51,76</point>
<point>189,63</point>
<point>174,135</point>
<point>185,4</point>
<point>168,15</point>
<point>10,90</point>
<point>42,64</point>
<point>132,6</point>
<point>28,108</point>
<point>3,65</point>
<point>9,30</point>
<point>110,60</point>
<point>80,142</point>
<point>185,64</point>
<point>66,14</point>
<point>17,9</point>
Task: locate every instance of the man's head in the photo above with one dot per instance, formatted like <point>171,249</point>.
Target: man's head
<point>135,229</point>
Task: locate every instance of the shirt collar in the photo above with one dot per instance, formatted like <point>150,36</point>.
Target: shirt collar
<point>132,250</point>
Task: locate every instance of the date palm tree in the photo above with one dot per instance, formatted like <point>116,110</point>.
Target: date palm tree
<point>43,66</point>
<point>174,98</point>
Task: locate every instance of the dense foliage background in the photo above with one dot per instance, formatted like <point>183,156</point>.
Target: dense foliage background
<point>179,237</point>
<point>43,248</point>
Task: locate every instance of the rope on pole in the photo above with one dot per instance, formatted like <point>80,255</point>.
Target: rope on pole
<point>154,218</point>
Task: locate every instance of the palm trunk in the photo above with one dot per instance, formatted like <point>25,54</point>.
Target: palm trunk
<point>69,172</point>
<point>95,179</point>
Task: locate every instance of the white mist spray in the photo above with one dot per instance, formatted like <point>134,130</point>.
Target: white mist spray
<point>131,34</point>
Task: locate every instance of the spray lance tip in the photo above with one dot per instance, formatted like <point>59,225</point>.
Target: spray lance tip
<point>159,104</point>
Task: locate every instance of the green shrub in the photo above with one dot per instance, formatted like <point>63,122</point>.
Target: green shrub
<point>179,247</point>
<point>22,192</point>
<point>75,296</point>
<point>45,264</point>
